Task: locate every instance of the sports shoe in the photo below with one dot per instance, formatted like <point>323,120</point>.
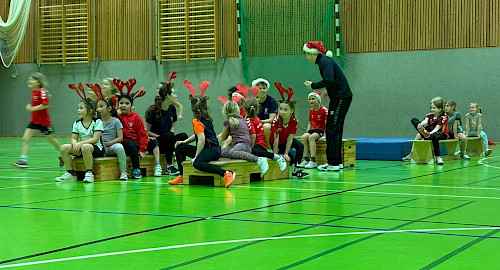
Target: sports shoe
<point>458,153</point>
<point>322,166</point>
<point>229,177</point>
<point>311,165</point>
<point>424,132</point>
<point>341,166</point>
<point>61,162</point>
<point>282,163</point>
<point>89,177</point>
<point>487,152</point>
<point>264,166</point>
<point>20,164</point>
<point>171,170</point>
<point>299,174</point>
<point>329,168</point>
<point>439,160</point>
<point>178,180</point>
<point>407,158</point>
<point>302,164</point>
<point>465,156</point>
<point>158,170</point>
<point>66,177</point>
<point>123,176</point>
<point>136,174</point>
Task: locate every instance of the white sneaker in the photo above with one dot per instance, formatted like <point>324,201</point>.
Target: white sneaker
<point>66,177</point>
<point>439,160</point>
<point>322,166</point>
<point>311,165</point>
<point>341,166</point>
<point>262,162</point>
<point>123,176</point>
<point>487,152</point>
<point>465,156</point>
<point>89,177</point>
<point>329,168</point>
<point>302,164</point>
<point>158,170</point>
<point>282,163</point>
<point>457,153</point>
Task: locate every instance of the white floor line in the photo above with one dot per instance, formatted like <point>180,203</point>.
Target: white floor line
<point>239,241</point>
<point>487,165</point>
<point>374,192</point>
<point>20,177</point>
<point>22,186</point>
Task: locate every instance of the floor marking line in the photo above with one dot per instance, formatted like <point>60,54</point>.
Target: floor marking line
<point>26,185</point>
<point>238,241</point>
<point>409,185</point>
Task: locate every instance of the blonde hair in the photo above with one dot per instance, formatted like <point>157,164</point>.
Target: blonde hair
<point>230,111</point>
<point>114,89</point>
<point>439,103</point>
<point>477,106</point>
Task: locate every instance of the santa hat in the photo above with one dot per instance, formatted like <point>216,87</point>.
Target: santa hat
<point>315,94</point>
<point>316,47</point>
<point>261,80</point>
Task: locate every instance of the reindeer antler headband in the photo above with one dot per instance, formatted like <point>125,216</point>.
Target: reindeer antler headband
<point>81,93</point>
<point>202,86</point>
<point>171,76</point>
<point>283,91</point>
<point>130,85</point>
<point>96,88</point>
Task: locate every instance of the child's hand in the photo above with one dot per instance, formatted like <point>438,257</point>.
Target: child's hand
<point>142,154</point>
<point>29,108</point>
<point>177,143</point>
<point>286,157</point>
<point>180,117</point>
<point>308,84</point>
<point>322,139</point>
<point>106,144</point>
<point>77,148</point>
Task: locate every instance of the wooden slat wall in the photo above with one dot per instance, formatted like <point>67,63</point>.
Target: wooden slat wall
<point>229,28</point>
<point>399,25</point>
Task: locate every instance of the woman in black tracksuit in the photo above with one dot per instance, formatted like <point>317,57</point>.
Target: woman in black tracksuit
<point>340,96</point>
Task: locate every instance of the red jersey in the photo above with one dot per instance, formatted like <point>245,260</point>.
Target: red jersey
<point>433,121</point>
<point>242,112</point>
<point>133,130</point>
<point>257,128</point>
<point>318,118</point>
<point>283,130</point>
<point>40,117</point>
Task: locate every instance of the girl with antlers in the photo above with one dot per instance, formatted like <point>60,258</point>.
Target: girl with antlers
<point>85,139</point>
<point>160,122</point>
<point>40,119</point>
<point>283,128</point>
<point>340,96</point>
<point>207,146</point>
<point>135,139</point>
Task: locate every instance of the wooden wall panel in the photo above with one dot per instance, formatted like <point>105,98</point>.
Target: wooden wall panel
<point>229,28</point>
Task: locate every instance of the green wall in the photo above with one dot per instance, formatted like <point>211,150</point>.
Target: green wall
<point>389,88</point>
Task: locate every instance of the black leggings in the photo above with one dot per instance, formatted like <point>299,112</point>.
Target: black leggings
<point>202,160</point>
<point>260,151</point>
<point>435,137</point>
<point>299,151</point>
<point>167,141</point>
<point>132,150</point>
<point>337,111</point>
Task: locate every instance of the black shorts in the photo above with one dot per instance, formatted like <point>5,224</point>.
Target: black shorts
<point>320,132</point>
<point>97,152</point>
<point>151,145</point>
<point>43,129</point>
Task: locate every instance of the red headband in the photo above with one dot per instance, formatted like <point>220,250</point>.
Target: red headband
<point>171,76</point>
<point>203,87</point>
<point>283,91</point>
<point>130,85</point>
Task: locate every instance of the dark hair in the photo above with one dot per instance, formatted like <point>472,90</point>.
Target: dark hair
<point>290,103</point>
<point>164,90</point>
<point>109,103</point>
<point>231,90</point>
<point>90,105</point>
<point>200,108</point>
<point>125,96</point>
<point>252,107</point>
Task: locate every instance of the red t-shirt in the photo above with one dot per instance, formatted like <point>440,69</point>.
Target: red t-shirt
<point>133,130</point>
<point>40,117</point>
<point>433,121</point>
<point>242,112</point>
<point>318,118</point>
<point>257,128</point>
<point>283,130</point>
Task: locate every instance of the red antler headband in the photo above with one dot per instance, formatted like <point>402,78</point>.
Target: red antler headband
<point>171,76</point>
<point>81,93</point>
<point>283,91</point>
<point>130,85</point>
<point>202,86</point>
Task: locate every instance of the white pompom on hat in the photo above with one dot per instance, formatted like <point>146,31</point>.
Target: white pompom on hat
<point>315,94</point>
<point>316,47</point>
<point>259,80</point>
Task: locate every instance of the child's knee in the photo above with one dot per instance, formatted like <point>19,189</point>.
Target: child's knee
<point>305,137</point>
<point>87,148</point>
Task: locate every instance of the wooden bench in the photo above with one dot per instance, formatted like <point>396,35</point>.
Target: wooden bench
<point>245,171</point>
<point>348,152</point>
<point>107,168</point>
<point>423,152</point>
<point>474,146</point>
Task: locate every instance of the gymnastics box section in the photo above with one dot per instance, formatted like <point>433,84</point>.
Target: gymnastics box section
<point>382,148</point>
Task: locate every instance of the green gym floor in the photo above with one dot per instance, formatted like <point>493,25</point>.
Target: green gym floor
<point>376,215</point>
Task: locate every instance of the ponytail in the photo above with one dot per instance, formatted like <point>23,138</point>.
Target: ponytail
<point>233,122</point>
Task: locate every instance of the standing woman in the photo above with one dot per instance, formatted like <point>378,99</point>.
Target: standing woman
<point>340,96</point>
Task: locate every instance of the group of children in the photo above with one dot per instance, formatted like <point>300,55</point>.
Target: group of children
<point>444,122</point>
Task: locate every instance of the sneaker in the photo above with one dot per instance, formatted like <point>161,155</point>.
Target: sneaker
<point>229,177</point>
<point>158,170</point>
<point>311,165</point>
<point>465,156</point>
<point>329,168</point>
<point>322,166</point>
<point>487,152</point>
<point>123,176</point>
<point>439,160</point>
<point>66,177</point>
<point>282,163</point>
<point>20,164</point>
<point>89,177</point>
<point>458,153</point>
<point>136,173</point>
<point>264,166</point>
<point>341,166</point>
<point>302,164</point>
<point>299,174</point>
<point>61,162</point>
<point>407,158</point>
<point>171,170</point>
<point>178,180</point>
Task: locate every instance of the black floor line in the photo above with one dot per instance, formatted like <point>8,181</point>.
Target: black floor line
<point>487,179</point>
